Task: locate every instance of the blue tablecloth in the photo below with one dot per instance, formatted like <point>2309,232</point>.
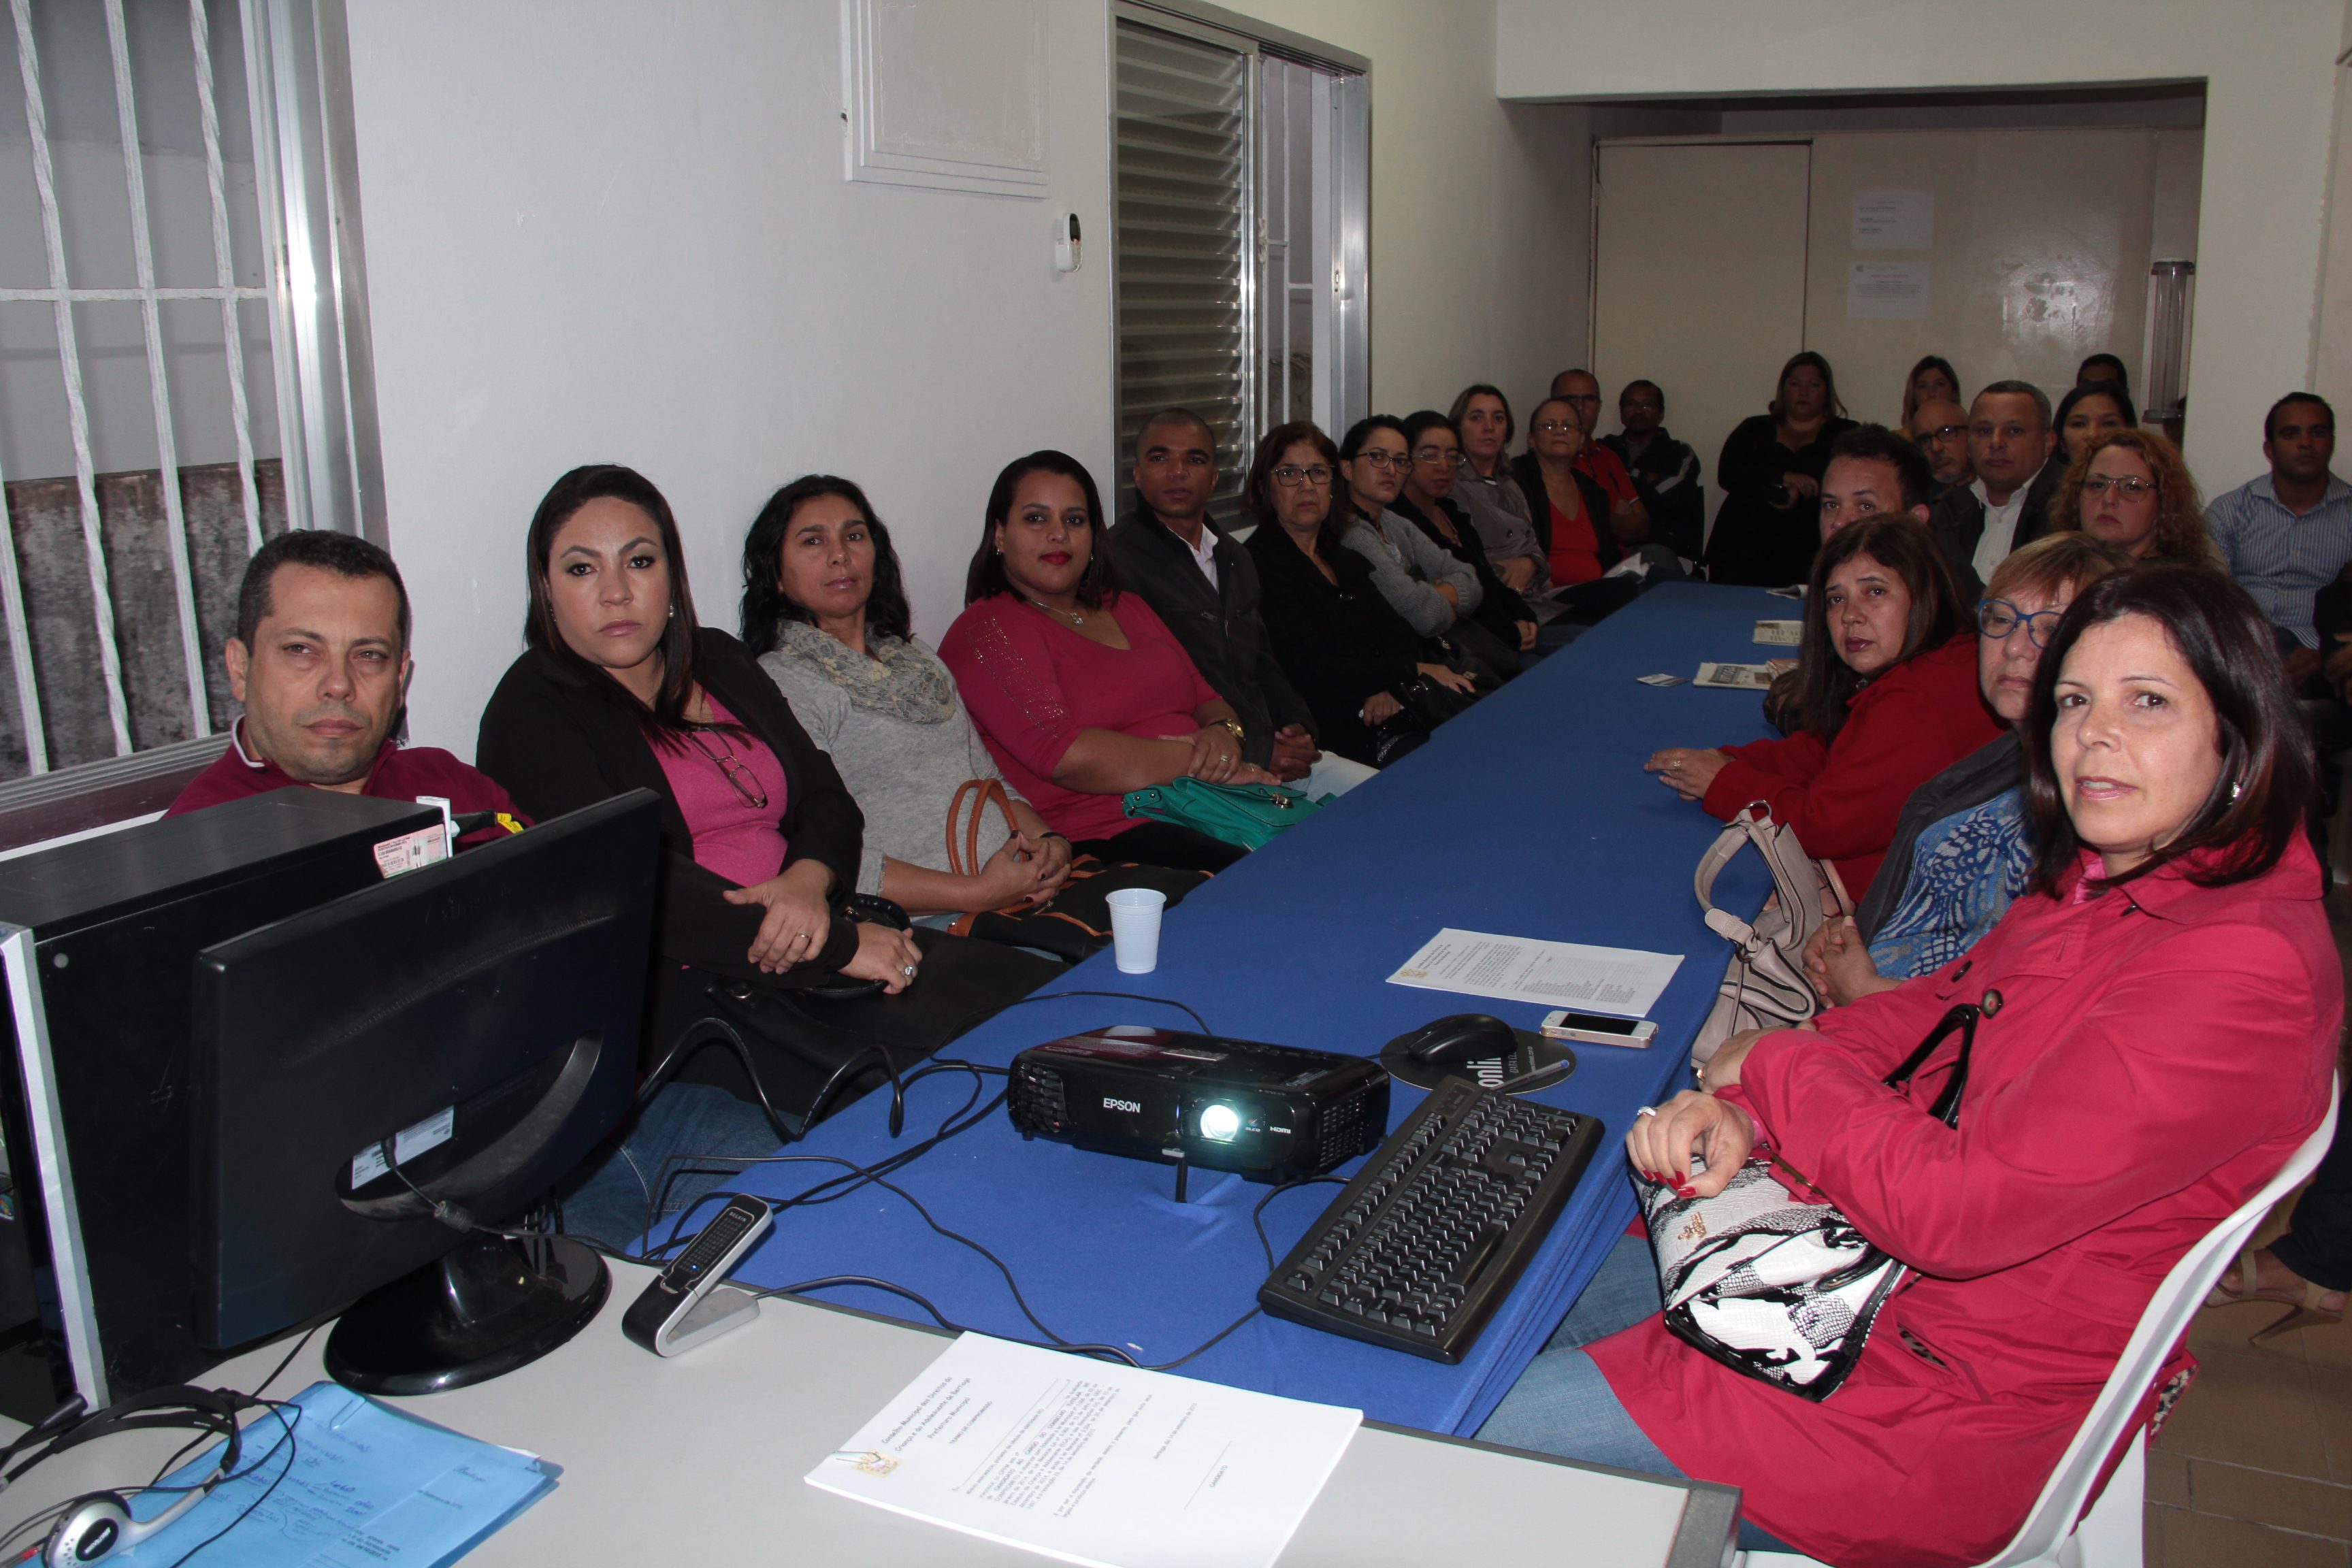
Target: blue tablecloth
<point>1528,815</point>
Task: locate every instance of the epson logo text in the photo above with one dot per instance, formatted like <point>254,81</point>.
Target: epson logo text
<point>1133,1107</point>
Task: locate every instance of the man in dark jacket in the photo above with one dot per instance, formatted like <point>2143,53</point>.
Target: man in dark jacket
<point>1665,470</point>
<point>2008,503</point>
<point>1204,586</point>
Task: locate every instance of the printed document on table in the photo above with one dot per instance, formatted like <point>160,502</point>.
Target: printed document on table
<point>1621,980</point>
<point>1093,1463</point>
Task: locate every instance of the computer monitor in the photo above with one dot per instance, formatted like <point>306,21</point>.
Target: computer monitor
<point>98,945</point>
<point>451,1042</point>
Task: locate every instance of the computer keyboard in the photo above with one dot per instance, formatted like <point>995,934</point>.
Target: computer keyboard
<point>1423,1245</point>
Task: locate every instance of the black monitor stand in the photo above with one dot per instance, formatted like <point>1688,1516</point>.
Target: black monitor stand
<point>489,1307</point>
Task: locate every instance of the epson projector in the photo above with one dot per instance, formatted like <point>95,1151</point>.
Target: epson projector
<point>1272,1114</point>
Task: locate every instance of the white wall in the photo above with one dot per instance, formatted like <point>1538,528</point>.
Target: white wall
<point>2269,86</point>
<point>600,230</point>
<point>605,230</point>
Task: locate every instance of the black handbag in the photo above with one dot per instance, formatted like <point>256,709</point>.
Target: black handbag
<point>1780,1286</point>
<point>1423,706</point>
<point>807,1051</point>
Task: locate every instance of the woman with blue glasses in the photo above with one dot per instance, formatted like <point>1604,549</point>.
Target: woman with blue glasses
<point>1961,853</point>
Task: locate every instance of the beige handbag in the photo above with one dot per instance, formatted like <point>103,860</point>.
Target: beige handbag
<point>1765,986</point>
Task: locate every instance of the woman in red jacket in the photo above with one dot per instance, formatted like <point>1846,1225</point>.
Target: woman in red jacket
<point>2169,1001</point>
<point>1886,698</point>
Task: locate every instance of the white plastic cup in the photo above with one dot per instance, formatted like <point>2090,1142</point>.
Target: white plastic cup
<point>1134,928</point>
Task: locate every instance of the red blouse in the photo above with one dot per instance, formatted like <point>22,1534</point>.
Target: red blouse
<point>1032,682</point>
<point>1575,548</point>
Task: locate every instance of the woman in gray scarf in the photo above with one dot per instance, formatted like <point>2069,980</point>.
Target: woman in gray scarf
<point>824,607</point>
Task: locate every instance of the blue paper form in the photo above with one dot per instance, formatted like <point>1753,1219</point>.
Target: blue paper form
<point>359,1486</point>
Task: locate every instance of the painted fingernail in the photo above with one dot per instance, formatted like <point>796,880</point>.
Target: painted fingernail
<point>1686,1191</point>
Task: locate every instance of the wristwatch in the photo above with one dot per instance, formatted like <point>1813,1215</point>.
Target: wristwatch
<point>1235,727</point>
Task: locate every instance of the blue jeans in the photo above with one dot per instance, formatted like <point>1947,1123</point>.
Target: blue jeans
<point>1561,1404</point>
<point>690,1138</point>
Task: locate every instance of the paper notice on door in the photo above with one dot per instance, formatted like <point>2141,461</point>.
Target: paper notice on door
<point>1093,1463</point>
<point>1894,220</point>
<point>1886,291</point>
<point>1621,980</point>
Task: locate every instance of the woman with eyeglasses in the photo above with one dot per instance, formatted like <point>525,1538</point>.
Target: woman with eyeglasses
<point>1962,851</point>
<point>620,689</point>
<point>1572,515</point>
<point>1425,499</point>
<point>1080,692</point>
<point>1769,526</point>
<point>1885,699</point>
<point>1346,650</point>
<point>2129,490</point>
<point>1436,595</point>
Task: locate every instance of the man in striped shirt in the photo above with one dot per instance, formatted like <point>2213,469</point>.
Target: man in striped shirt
<point>2287,533</point>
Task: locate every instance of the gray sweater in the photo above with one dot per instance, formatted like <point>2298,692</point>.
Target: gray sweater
<point>902,774</point>
<point>1405,562</point>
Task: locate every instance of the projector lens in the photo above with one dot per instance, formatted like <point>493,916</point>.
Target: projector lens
<point>1219,1122</point>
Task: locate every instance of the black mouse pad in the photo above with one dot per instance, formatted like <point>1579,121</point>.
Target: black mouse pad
<point>1551,1058</point>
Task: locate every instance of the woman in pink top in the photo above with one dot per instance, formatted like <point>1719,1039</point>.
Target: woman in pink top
<point>1079,691</point>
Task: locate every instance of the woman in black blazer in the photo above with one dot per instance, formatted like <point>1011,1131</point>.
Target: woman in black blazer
<point>617,666</point>
<point>1349,654</point>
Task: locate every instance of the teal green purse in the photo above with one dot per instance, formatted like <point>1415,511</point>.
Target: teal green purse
<point>1246,815</point>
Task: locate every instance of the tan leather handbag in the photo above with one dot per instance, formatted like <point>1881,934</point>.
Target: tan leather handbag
<point>1764,985</point>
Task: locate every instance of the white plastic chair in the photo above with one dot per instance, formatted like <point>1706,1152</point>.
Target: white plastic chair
<point>2110,1536</point>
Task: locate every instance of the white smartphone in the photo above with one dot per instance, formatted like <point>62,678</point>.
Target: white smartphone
<point>1599,1028</point>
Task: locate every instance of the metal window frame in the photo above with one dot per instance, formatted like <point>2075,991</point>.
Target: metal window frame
<point>298,63</point>
<point>1342,318</point>
<point>306,161</point>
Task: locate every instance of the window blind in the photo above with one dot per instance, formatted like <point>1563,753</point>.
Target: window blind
<point>1182,128</point>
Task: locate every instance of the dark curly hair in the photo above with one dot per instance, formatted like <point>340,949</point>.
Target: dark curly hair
<point>2268,779</point>
<point>766,607</point>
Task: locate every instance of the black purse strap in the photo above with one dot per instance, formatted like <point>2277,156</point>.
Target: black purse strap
<point>1961,1020</point>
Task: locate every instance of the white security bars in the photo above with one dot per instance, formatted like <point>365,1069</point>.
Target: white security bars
<point>228,237</point>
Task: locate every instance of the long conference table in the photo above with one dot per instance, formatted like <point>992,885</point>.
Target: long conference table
<point>1528,816</point>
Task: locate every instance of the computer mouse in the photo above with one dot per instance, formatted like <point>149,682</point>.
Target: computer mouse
<point>1462,1037</point>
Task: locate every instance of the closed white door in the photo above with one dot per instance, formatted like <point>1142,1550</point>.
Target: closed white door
<point>1699,281</point>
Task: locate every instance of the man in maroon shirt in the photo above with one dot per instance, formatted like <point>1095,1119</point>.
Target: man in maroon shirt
<point>320,662</point>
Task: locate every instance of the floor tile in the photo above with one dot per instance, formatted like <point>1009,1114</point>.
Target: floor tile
<point>2259,1411</point>
<point>2331,1389</point>
<point>2290,1502</point>
<point>2203,1541</point>
<point>2168,1477</point>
